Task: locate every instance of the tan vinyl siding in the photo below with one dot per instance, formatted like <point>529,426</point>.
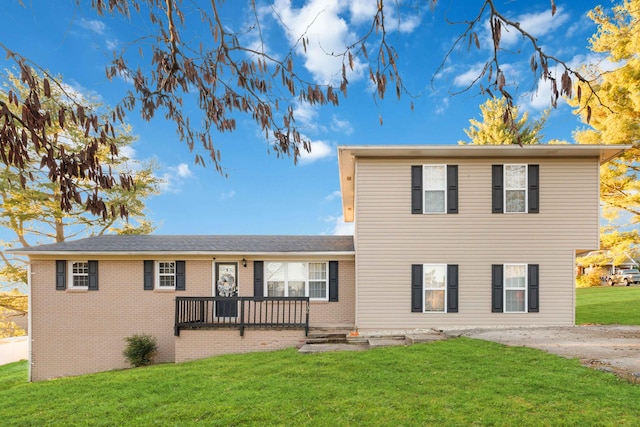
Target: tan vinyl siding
<point>389,239</point>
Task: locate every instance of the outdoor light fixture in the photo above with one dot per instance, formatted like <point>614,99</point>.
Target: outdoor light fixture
<point>244,262</point>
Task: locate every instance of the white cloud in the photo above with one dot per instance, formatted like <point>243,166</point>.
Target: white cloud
<point>408,23</point>
<point>536,24</point>
<point>183,170</point>
<point>306,116</point>
<point>320,22</point>
<point>112,44</point>
<point>442,106</point>
<point>93,25</point>
<point>228,195</point>
<point>340,227</point>
<point>174,177</point>
<point>343,126</point>
<point>540,98</point>
<point>336,194</point>
<point>362,10</point>
<point>467,78</point>
<point>597,60</point>
<point>128,152</point>
<point>319,150</point>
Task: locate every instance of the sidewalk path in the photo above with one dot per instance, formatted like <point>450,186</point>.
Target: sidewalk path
<point>13,349</point>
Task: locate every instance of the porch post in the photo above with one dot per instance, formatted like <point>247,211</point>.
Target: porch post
<point>241,301</point>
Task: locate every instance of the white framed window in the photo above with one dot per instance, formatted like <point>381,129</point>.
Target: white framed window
<point>515,288</point>
<point>434,287</point>
<point>166,273</point>
<point>297,279</point>
<point>79,274</point>
<point>434,185</point>
<point>515,188</point>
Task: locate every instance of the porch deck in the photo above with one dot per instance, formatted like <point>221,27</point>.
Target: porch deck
<point>241,313</point>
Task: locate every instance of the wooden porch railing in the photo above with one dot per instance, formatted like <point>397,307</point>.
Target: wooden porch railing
<point>241,313</point>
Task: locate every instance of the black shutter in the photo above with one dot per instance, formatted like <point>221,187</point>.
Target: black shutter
<point>61,275</point>
<point>333,280</point>
<point>452,189</point>
<point>258,278</point>
<point>416,288</point>
<point>496,188</point>
<point>534,287</point>
<point>148,275</point>
<point>496,288</point>
<point>93,275</point>
<point>452,288</point>
<point>416,190</point>
<point>181,284</point>
<point>534,188</point>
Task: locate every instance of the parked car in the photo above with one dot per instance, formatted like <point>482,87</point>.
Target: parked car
<point>626,277</point>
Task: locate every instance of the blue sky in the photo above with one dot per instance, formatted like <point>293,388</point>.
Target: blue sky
<point>264,194</point>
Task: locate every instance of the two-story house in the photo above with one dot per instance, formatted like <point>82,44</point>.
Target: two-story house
<point>444,236</point>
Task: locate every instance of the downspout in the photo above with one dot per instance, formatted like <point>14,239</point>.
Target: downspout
<point>355,244</point>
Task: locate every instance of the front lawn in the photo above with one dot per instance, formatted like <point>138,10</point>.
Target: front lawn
<point>607,305</point>
<point>448,383</point>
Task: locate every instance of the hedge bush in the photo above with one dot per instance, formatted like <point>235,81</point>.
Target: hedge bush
<point>140,349</point>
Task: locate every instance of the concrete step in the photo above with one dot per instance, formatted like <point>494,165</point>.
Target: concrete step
<point>326,335</point>
<point>327,340</point>
<point>386,342</point>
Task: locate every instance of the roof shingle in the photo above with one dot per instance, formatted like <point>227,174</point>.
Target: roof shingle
<point>198,244</point>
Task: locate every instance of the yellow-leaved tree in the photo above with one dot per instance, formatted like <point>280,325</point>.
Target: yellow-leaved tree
<point>502,124</point>
<point>31,211</point>
<point>613,114</point>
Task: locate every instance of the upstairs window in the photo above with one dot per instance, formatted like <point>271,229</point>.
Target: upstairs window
<point>515,188</point>
<point>434,189</point>
<point>435,186</point>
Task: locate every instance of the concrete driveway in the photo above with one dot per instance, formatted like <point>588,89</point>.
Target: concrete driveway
<point>610,348</point>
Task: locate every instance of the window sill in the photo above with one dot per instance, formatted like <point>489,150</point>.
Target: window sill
<point>77,290</point>
<point>318,301</point>
<point>165,291</point>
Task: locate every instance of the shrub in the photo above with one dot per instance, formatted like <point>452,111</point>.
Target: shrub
<point>592,278</point>
<point>140,349</point>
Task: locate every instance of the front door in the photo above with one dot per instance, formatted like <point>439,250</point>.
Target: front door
<point>226,285</point>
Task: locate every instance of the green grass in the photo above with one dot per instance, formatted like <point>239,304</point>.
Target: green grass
<point>606,305</point>
<point>448,383</point>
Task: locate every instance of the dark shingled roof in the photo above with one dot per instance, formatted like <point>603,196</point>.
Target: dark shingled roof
<point>187,244</point>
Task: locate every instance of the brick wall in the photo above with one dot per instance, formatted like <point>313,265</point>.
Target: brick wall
<point>198,344</point>
<point>80,332</point>
<point>341,313</point>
